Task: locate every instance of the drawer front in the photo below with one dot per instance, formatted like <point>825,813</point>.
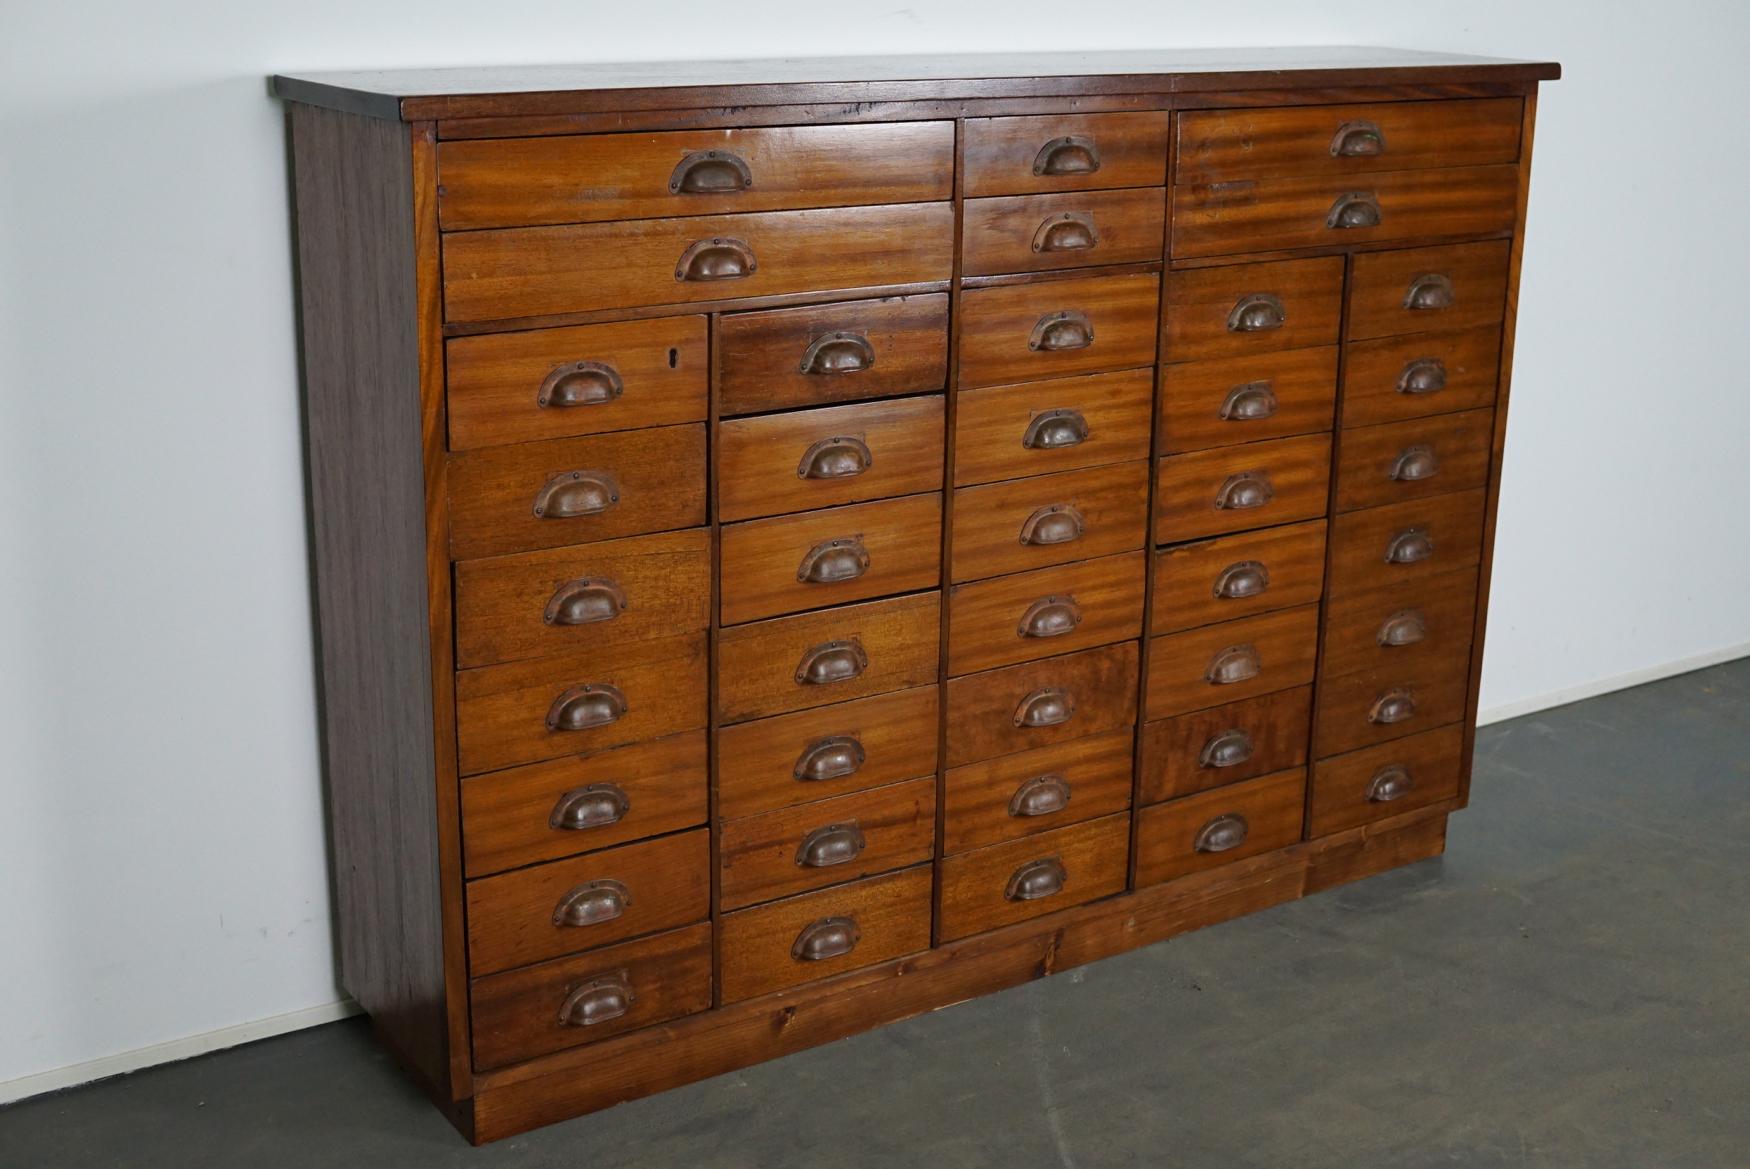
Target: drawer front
<point>1220,664</point>
<point>1064,152</point>
<point>1406,542</point>
<point>524,1013</point>
<point>511,182</point>
<point>1245,399</point>
<point>566,906</point>
<point>1022,707</point>
<point>545,811</point>
<point>1388,780</point>
<point>1241,310</point>
<point>1049,519</point>
<point>776,854</point>
<point>1053,328</point>
<point>1264,215</point>
<point>1238,576</point>
<point>1401,625</point>
<point>536,271</point>
<point>1207,749</point>
<point>575,490</point>
<point>1217,145</point>
<point>563,599</point>
<point>1460,286</point>
<point>1360,710</point>
<point>1011,882</point>
<point>523,712</point>
<point>794,663</point>
<point>1045,612</point>
<point>1035,791</point>
<point>1398,461</point>
<point>828,456</point>
<point>1041,233</point>
<point>819,354</point>
<point>559,383</point>
<point>1234,489</point>
<point>1395,378</point>
<point>1061,424</point>
<point>1219,827</point>
<point>790,563</point>
<point>849,746</point>
<point>817,935</point>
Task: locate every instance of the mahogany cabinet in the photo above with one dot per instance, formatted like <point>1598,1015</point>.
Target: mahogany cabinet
<point>800,544</point>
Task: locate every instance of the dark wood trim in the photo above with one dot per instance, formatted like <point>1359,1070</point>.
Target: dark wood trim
<point>1421,241</point>
<point>1058,275</point>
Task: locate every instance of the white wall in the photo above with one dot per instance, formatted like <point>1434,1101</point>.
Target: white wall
<point>162,851</point>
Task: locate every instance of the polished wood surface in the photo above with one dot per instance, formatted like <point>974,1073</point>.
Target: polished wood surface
<point>1388,780</point>
<point>1097,689</point>
<point>1191,753</point>
<point>1280,649</point>
<point>1247,399</point>
<point>1470,289</point>
<point>1043,233</point>
<point>1016,156</point>
<point>1046,611</point>
<point>1002,330</point>
<point>978,887</point>
<point>1236,488</point>
<point>1414,459</point>
<point>1169,836</point>
<point>1200,308</point>
<point>988,802</point>
<point>1372,548</point>
<point>991,425</point>
<point>1440,610</point>
<point>1375,370</point>
<point>1044,520</point>
<point>1238,576</point>
<point>1353,708</point>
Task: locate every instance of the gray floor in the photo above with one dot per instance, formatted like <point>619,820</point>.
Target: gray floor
<point>1566,987</point>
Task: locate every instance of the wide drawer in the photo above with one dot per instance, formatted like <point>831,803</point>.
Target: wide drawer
<point>1219,664</point>
<point>1018,708</point>
<point>1041,233</point>
<point>1035,791</point>
<point>1207,749</point>
<point>1413,459</point>
<point>1405,542</point>
<point>1413,290</point>
<point>1359,710</point>
<point>1064,152</point>
<point>1219,827</point>
<point>1061,424</point>
<point>1239,310</point>
<point>1052,328</point>
<point>1049,519</point>
<point>1047,611</point>
<point>1012,882</point>
<point>1237,576</point>
<point>1400,625</point>
<point>1394,378</point>
<point>1245,399</point>
<point>1237,488</point>
<point>1387,780</point>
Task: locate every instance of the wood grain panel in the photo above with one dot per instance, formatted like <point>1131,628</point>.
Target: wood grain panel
<point>1003,330</point>
<point>763,357</point>
<point>991,424</point>
<point>1238,576</point>
<point>1388,780</point>
<point>1360,710</point>
<point>1182,667</point>
<point>1374,548</point>
<point>1096,689</point>
<point>1246,399</point>
<point>1043,233</point>
<point>1413,459</point>
<point>1374,371</point>
<point>1047,611</point>
<point>1271,808</point>
<point>993,801</point>
<point>1237,488</point>
<point>1206,749</point>
<point>1006,527</point>
<point>1001,156</point>
<point>1369,630</point>
<point>1092,858</point>
<point>1381,284</point>
<point>1202,317</point>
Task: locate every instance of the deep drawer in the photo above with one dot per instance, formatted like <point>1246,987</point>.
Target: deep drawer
<point>1394,378</point>
<point>1245,399</point>
<point>1237,576</point>
<point>1359,710</point>
<point>1047,611</point>
<point>1064,152</point>
<point>1041,233</point>
<point>1414,459</point>
<point>1052,701</point>
<point>1012,882</point>
<point>1405,542</point>
<point>1400,625</point>
<point>1235,489</point>
<point>1035,791</point>
<point>1049,519</point>
<point>1240,310</point>
<point>1460,286</point>
<point>1388,780</point>
<point>1219,664</point>
<point>1219,827</point>
<point>1052,328</point>
<point>1206,749</point>
<point>1061,424</point>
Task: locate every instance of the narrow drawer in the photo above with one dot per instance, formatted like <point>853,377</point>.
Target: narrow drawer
<point>559,383</point>
<point>790,563</point>
<point>1064,152</point>
<point>536,271</point>
<point>1405,542</point>
<point>1395,378</point>
<point>1245,399</point>
<point>580,803</point>
<point>1219,827</point>
<point>511,182</point>
<point>1035,791</point>
<point>1359,710</point>
<point>1026,878</point>
<point>1053,328</point>
<point>565,906</point>
<point>1022,707</point>
<point>1207,749</point>
<point>565,1003</point>
<point>563,599</point>
<point>827,456</point>
<point>794,663</point>
<point>1240,310</point>
<point>1414,459</point>
<point>1234,489</point>
<point>1041,233</point>
<point>776,854</point>
<point>819,354</point>
<point>575,490</point>
<point>1238,576</point>
<point>1400,625</point>
<point>1048,611</point>
<point>1460,286</point>
<point>816,935</point>
<point>1049,519</point>
<point>1388,780</point>
<point>1220,664</point>
<point>523,712</point>
<point>1061,424</point>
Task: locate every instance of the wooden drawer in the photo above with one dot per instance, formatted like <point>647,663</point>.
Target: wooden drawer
<point>1219,827</point>
<point>794,663</point>
<point>1035,791</point>
<point>523,712</point>
<point>1064,152</point>
<point>1207,749</point>
<point>1061,424</point>
<point>1395,378</point>
<point>536,271</point>
<point>1359,710</point>
<point>1460,286</point>
<point>1233,489</point>
<point>563,599</point>
<point>776,854</point>
<point>1217,145</point>
<point>795,562</point>
<point>823,353</point>
<point>510,182</point>
<point>565,906</point>
<point>1052,328</point>
<point>1220,664</point>
<point>1400,625</point>
<point>1406,542</point>
<point>817,935</point>
<point>1048,611</point>
<point>1237,576</point>
<point>558,383</point>
<point>565,1003</point>
<point>1240,310</point>
<point>849,746</point>
<point>827,456</point>
<point>575,490</point>
<point>1245,399</point>
<point>1011,882</point>
<point>1022,707</point>
<point>1414,459</point>
<point>1049,519</point>
<point>1388,780</point>
<point>1266,215</point>
<point>580,803</point>
<point>1041,233</point>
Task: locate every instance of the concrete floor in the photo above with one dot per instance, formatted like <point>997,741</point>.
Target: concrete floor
<point>1568,986</point>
